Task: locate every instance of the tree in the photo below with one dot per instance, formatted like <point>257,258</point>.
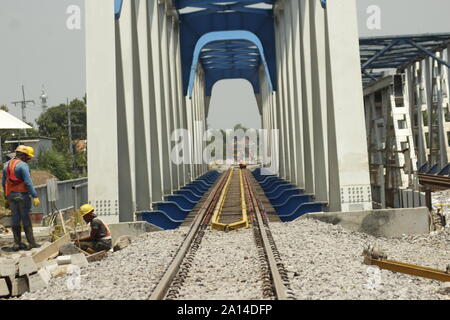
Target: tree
<point>57,163</point>
<point>54,123</point>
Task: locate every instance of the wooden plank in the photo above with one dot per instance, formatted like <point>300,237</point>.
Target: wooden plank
<point>51,250</point>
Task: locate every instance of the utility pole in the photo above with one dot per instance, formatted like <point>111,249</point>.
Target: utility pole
<point>69,126</point>
<point>23,104</point>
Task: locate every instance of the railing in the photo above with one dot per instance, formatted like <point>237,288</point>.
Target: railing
<point>72,193</point>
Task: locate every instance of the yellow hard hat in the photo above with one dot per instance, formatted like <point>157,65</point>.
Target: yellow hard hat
<point>29,151</point>
<point>86,209</point>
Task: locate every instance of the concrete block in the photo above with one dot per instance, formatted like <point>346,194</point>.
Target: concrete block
<point>27,266</point>
<point>62,260</point>
<point>79,260</point>
<point>4,290</point>
<point>132,229</point>
<point>39,280</point>
<point>387,223</point>
<point>122,243</point>
<point>8,268</point>
<point>19,287</point>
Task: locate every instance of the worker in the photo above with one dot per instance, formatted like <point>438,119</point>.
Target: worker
<point>100,237</point>
<point>18,188</point>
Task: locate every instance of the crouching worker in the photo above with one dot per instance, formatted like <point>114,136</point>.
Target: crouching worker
<point>100,237</point>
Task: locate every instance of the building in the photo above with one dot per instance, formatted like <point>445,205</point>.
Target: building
<point>38,143</point>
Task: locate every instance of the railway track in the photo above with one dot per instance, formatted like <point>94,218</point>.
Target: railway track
<point>232,204</point>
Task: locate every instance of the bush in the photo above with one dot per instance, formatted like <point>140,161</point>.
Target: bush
<point>57,163</point>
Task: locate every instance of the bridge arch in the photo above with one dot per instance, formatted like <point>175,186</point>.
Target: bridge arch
<point>229,55</point>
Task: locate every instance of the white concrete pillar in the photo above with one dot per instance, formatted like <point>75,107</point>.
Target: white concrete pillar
<point>319,99</point>
<point>306,87</point>
<point>349,166</point>
<point>174,97</point>
<point>102,109</point>
<point>145,16</point>
<point>295,88</point>
<point>287,102</point>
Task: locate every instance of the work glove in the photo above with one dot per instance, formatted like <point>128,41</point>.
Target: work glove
<point>36,202</point>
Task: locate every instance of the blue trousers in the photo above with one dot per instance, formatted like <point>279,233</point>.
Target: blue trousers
<point>20,205</point>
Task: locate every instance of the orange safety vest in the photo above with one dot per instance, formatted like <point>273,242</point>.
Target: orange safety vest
<point>13,183</point>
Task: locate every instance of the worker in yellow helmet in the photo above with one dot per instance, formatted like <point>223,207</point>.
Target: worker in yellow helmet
<point>100,237</point>
<point>18,188</point>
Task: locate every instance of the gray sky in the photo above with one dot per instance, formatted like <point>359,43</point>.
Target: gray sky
<point>38,49</point>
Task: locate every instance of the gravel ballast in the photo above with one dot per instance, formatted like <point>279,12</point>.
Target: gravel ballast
<point>326,262</point>
<point>129,274</point>
<point>226,267</point>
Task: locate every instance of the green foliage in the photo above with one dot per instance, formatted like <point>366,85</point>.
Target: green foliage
<point>57,163</point>
<point>53,123</point>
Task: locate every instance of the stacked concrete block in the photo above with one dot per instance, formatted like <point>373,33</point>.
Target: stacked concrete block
<point>8,268</point>
<point>39,280</point>
<point>27,266</point>
<point>19,286</point>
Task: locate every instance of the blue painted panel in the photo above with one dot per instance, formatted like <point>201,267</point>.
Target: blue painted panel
<point>279,187</point>
<point>161,219</point>
<point>189,194</point>
<point>292,203</point>
<point>304,209</point>
<point>182,201</point>
<point>173,210</point>
<point>283,196</point>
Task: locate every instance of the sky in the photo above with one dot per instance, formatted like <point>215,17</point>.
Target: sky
<point>39,48</point>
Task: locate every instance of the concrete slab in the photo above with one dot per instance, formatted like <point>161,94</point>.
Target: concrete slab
<point>132,229</point>
<point>8,268</point>
<point>387,223</point>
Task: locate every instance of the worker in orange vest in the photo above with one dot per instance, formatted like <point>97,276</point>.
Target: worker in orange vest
<point>100,238</point>
<point>18,188</point>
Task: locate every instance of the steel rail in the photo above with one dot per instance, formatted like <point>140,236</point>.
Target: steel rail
<point>162,287</point>
<point>278,283</point>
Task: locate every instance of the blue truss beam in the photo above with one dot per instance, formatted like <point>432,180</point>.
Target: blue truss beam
<point>249,65</point>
